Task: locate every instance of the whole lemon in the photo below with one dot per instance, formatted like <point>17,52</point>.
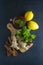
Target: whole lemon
<point>33,25</point>
<point>29,15</point>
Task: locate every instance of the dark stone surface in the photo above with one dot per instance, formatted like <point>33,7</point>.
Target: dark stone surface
<point>10,9</point>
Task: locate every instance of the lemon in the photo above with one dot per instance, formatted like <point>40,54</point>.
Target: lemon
<point>33,25</point>
<point>29,15</point>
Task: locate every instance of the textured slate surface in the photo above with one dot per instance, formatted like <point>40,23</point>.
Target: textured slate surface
<point>10,9</point>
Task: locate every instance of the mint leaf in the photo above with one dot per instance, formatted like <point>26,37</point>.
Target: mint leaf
<point>33,36</point>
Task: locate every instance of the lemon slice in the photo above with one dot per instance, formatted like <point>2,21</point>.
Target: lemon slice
<point>33,25</point>
<point>29,15</point>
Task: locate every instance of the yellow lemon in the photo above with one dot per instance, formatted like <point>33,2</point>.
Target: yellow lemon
<point>33,25</point>
<point>29,15</point>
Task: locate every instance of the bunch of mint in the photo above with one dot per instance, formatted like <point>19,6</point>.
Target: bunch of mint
<point>25,34</point>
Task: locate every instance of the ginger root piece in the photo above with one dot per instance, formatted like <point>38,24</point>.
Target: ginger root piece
<point>8,54</point>
<point>10,51</point>
<point>9,39</point>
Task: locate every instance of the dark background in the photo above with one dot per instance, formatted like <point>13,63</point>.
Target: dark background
<point>10,9</point>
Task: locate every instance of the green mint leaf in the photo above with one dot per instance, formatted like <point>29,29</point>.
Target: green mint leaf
<point>33,36</point>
